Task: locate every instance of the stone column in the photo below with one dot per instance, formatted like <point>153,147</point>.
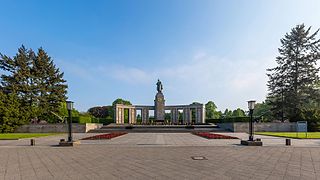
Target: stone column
<point>119,114</point>
<point>190,115</point>
<point>177,115</point>
<point>173,114</point>
<point>197,115</point>
<point>145,115</point>
<point>115,114</point>
<point>130,115</point>
<point>186,114</point>
<point>203,114</point>
<point>122,115</point>
<point>133,116</point>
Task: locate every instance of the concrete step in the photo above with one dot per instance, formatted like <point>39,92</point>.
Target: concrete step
<point>156,130</point>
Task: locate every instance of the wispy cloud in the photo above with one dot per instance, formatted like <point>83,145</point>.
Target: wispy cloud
<point>202,77</point>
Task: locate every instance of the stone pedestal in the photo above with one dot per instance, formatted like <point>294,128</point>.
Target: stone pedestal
<point>251,143</point>
<point>159,105</point>
<point>64,143</point>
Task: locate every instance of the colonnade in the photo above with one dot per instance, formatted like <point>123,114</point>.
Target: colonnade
<point>119,114</point>
<point>187,110</point>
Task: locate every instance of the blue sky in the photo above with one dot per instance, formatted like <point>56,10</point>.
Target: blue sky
<point>201,49</point>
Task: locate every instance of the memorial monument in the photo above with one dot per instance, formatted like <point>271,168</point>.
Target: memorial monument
<point>179,114</point>
<point>159,104</point>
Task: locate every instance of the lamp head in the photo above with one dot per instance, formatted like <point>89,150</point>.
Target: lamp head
<point>69,105</point>
<point>251,104</point>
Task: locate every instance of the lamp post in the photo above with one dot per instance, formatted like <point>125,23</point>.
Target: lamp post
<point>251,108</point>
<point>69,108</point>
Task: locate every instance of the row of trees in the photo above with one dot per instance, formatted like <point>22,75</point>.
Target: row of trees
<point>31,88</point>
<point>213,113</point>
<point>107,111</point>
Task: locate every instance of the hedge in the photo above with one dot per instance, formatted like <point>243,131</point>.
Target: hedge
<point>103,120</point>
<point>229,120</point>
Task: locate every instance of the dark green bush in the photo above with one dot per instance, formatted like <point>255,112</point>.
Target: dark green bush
<point>229,120</point>
<point>104,121</point>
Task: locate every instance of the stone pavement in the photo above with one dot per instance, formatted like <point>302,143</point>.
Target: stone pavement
<point>159,156</point>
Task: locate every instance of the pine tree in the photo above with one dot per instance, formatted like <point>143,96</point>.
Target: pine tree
<point>18,80</point>
<point>50,85</point>
<point>12,114</point>
<point>36,81</point>
<point>294,82</point>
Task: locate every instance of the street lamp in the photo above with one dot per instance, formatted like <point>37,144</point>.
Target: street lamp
<point>69,108</point>
<point>251,108</point>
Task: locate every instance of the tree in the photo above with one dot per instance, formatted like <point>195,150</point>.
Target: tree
<point>238,113</point>
<point>295,81</point>
<point>121,101</point>
<point>101,111</point>
<point>227,113</point>
<point>35,80</point>
<point>211,111</point>
<point>18,78</point>
<point>50,85</point>
<point>262,111</point>
<point>12,114</point>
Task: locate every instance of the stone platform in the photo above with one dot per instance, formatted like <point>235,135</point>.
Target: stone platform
<point>157,128</point>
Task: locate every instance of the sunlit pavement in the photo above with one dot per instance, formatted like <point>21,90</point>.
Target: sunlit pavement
<point>159,156</point>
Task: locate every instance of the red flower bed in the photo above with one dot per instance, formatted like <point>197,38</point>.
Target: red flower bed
<point>104,136</point>
<point>209,135</point>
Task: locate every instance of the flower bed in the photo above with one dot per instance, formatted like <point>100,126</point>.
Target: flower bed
<point>104,136</point>
<point>209,135</point>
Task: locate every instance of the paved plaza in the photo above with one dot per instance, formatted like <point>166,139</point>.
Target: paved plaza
<point>159,156</point>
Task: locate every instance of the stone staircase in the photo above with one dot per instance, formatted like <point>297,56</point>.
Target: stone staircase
<point>157,128</point>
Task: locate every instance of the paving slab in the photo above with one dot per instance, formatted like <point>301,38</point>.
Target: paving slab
<point>159,156</point>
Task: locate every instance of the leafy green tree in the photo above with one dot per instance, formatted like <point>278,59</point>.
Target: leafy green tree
<point>121,101</point>
<point>295,81</point>
<point>18,77</point>
<point>101,111</point>
<point>211,111</point>
<point>35,80</point>
<point>12,114</point>
<point>50,85</point>
<point>238,113</point>
<point>263,111</point>
<point>227,114</point>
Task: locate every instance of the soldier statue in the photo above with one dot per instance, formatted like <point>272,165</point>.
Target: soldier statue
<point>159,86</point>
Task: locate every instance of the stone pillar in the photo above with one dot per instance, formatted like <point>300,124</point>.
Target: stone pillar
<point>145,115</point>
<point>115,114</point>
<point>119,112</point>
<point>173,115</point>
<point>197,115</point>
<point>203,114</point>
<point>177,115</point>
<point>190,115</point>
<point>130,115</point>
<point>122,115</point>
<point>159,105</point>
<point>186,114</point>
<point>133,116</point>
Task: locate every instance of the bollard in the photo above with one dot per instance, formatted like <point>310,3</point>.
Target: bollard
<point>288,142</point>
<point>32,142</point>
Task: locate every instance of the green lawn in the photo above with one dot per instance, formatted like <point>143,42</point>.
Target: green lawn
<point>23,135</point>
<point>300,135</point>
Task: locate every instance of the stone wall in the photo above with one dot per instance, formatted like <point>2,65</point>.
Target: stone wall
<point>258,127</point>
<point>57,128</point>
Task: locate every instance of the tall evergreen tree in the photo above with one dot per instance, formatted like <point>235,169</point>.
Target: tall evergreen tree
<point>295,81</point>
<point>36,81</point>
<point>51,87</point>
<point>18,79</point>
